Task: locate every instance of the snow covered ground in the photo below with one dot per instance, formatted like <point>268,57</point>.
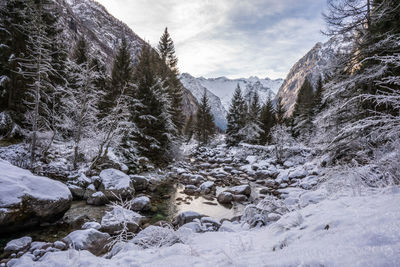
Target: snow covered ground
<point>341,231</point>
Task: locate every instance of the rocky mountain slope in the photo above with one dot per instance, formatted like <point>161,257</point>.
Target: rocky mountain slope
<point>104,32</point>
<point>313,65</point>
<point>220,91</point>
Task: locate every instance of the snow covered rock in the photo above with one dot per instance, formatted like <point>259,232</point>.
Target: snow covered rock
<point>139,182</point>
<point>140,204</point>
<point>115,183</point>
<point>97,199</point>
<point>225,198</point>
<point>186,217</point>
<point>119,218</point>
<point>18,244</point>
<point>194,226</point>
<point>89,239</point>
<point>60,245</point>
<point>156,237</point>
<point>210,224</point>
<point>298,173</point>
<point>89,225</point>
<point>240,190</point>
<point>27,200</point>
<point>206,187</point>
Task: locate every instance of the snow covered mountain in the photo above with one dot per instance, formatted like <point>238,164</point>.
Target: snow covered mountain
<point>220,91</point>
<point>197,89</point>
<point>224,87</point>
<point>104,32</point>
<point>313,65</point>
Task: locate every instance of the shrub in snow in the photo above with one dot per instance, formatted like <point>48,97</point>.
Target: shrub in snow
<point>156,237</point>
<point>267,210</point>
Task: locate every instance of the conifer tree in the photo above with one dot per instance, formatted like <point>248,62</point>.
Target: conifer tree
<point>205,127</point>
<point>169,74</point>
<point>189,128</point>
<point>166,50</point>
<point>280,112</point>
<point>251,132</point>
<point>302,114</point>
<point>16,22</point>
<point>267,119</point>
<point>236,118</point>
<point>121,77</point>
<point>154,130</point>
<point>317,99</point>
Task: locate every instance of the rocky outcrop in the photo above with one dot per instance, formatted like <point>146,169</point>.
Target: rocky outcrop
<point>312,66</point>
<point>27,200</point>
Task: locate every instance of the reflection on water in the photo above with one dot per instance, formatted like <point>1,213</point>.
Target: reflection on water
<point>179,202</point>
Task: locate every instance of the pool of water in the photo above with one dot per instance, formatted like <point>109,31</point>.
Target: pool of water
<point>168,200</point>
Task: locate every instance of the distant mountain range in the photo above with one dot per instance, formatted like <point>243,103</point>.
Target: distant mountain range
<point>220,91</point>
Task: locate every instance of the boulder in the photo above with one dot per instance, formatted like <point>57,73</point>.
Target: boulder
<point>90,190</point>
<point>77,191</point>
<point>225,198</point>
<point>115,220</point>
<point>18,244</point>
<point>186,217</point>
<point>115,183</point>
<point>97,199</point>
<point>27,200</point>
<point>89,225</point>
<point>206,187</point>
<point>239,198</point>
<point>240,190</point>
<point>191,190</point>
<point>210,224</point>
<point>195,227</point>
<point>139,182</point>
<point>140,204</point>
<point>298,173</point>
<point>60,245</point>
<point>88,239</point>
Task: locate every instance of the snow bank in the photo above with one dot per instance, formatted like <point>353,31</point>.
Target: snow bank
<point>349,231</point>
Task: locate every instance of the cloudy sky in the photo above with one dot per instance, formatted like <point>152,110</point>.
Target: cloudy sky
<point>232,38</point>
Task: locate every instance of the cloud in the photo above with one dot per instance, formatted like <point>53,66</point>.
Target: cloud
<point>232,38</point>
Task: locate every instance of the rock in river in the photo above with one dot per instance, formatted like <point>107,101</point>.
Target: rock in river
<point>115,183</point>
<point>27,200</point>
